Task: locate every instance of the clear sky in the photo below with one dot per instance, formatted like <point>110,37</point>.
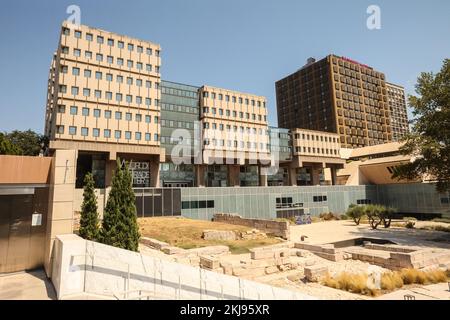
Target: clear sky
<point>244,45</point>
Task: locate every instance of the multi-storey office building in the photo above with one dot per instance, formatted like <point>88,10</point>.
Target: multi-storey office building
<point>337,95</point>
<point>104,99</point>
<point>235,138</point>
<point>180,134</point>
<point>397,108</point>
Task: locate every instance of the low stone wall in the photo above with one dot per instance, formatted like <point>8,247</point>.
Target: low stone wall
<point>86,267</point>
<point>271,227</point>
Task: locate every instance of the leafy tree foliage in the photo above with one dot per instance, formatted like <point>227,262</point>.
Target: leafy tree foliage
<point>119,226</point>
<point>6,147</point>
<point>89,221</point>
<point>429,140</point>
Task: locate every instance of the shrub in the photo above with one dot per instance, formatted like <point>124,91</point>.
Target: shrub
<point>410,224</point>
<point>355,212</point>
<point>410,276</point>
<point>437,228</point>
<point>327,216</point>
<point>89,221</point>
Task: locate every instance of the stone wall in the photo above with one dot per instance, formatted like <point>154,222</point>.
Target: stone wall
<point>271,227</point>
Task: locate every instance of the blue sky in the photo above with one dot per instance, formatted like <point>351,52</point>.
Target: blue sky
<point>244,45</point>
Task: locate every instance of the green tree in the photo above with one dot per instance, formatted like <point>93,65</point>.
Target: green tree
<point>89,221</point>
<point>355,212</point>
<point>429,140</point>
<point>119,227</point>
<point>29,142</point>
<point>6,147</point>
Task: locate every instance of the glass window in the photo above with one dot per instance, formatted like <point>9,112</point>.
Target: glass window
<point>97,113</point>
<point>66,31</point>
<point>120,44</point>
<point>85,111</point>
<point>110,42</point>
<point>77,34</point>
<point>109,77</point>
<point>128,116</point>
<point>99,57</point>
<point>139,65</point>
<point>148,136</point>
<point>129,98</point>
<point>117,134</point>
<point>108,114</point>
<point>76,52</point>
<point>138,100</point>
<point>148,101</point>
<point>84,131</point>
<point>65,50</point>
<point>88,55</point>
<point>137,136</point>
<point>98,75</point>
<point>156,119</point>
<point>149,51</point>
<point>100,39</point>
<point>107,133</point>
<point>130,47</point>
<point>96,132</point>
<point>110,59</point>
<point>75,71</point>
<point>148,84</point>
<point>61,109</point>
<point>140,49</point>
<point>74,110</point>
<point>139,82</point>
<point>118,115</point>
<point>129,80</point>
<point>86,92</point>
<point>89,36</point>
<point>148,119</point>
<point>138,117</point>
<point>148,67</point>
<point>98,94</point>
<point>108,95</point>
<point>120,61</point>
<point>130,63</point>
<point>75,91</point>
<point>119,79</point>
<point>155,137</point>
<point>128,135</point>
<point>87,73</point>
<point>72,130</point>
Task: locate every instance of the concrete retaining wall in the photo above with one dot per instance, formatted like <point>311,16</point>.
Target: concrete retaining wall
<point>276,228</point>
<point>81,266</point>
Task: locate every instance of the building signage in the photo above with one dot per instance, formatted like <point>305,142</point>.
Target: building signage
<point>141,173</point>
<point>356,62</point>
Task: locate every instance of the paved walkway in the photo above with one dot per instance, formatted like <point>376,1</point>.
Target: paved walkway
<point>439,291</point>
<point>33,285</point>
<point>331,231</point>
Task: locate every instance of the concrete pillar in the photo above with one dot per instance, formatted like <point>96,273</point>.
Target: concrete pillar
<point>315,175</point>
<point>262,176</point>
<point>61,201</point>
<point>293,176</point>
<point>233,175</point>
<point>333,175</point>
<point>154,173</point>
<point>199,170</point>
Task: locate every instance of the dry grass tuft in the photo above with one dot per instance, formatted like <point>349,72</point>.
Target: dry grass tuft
<point>357,283</point>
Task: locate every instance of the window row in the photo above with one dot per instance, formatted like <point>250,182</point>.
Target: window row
<point>107,114</point>
<point>84,131</point>
<point>236,144</point>
<point>111,42</point>
<point>110,60</point>
<point>228,114</point>
<point>315,137</point>
<point>222,127</point>
<point>87,73</point>
<point>98,94</point>
<point>227,97</point>
<point>319,150</point>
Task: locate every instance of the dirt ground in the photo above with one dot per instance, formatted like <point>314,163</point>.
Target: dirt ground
<point>187,233</point>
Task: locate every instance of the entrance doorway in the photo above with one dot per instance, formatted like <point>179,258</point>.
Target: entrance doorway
<point>23,220</point>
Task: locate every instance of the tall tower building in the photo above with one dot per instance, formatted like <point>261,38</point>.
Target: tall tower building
<point>397,108</point>
<point>338,95</point>
<point>104,101</point>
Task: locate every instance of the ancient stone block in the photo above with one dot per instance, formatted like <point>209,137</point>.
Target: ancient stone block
<point>315,273</point>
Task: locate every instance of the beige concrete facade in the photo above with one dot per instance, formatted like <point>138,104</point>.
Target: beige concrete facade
<point>105,88</point>
<point>398,113</point>
<point>234,125</point>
